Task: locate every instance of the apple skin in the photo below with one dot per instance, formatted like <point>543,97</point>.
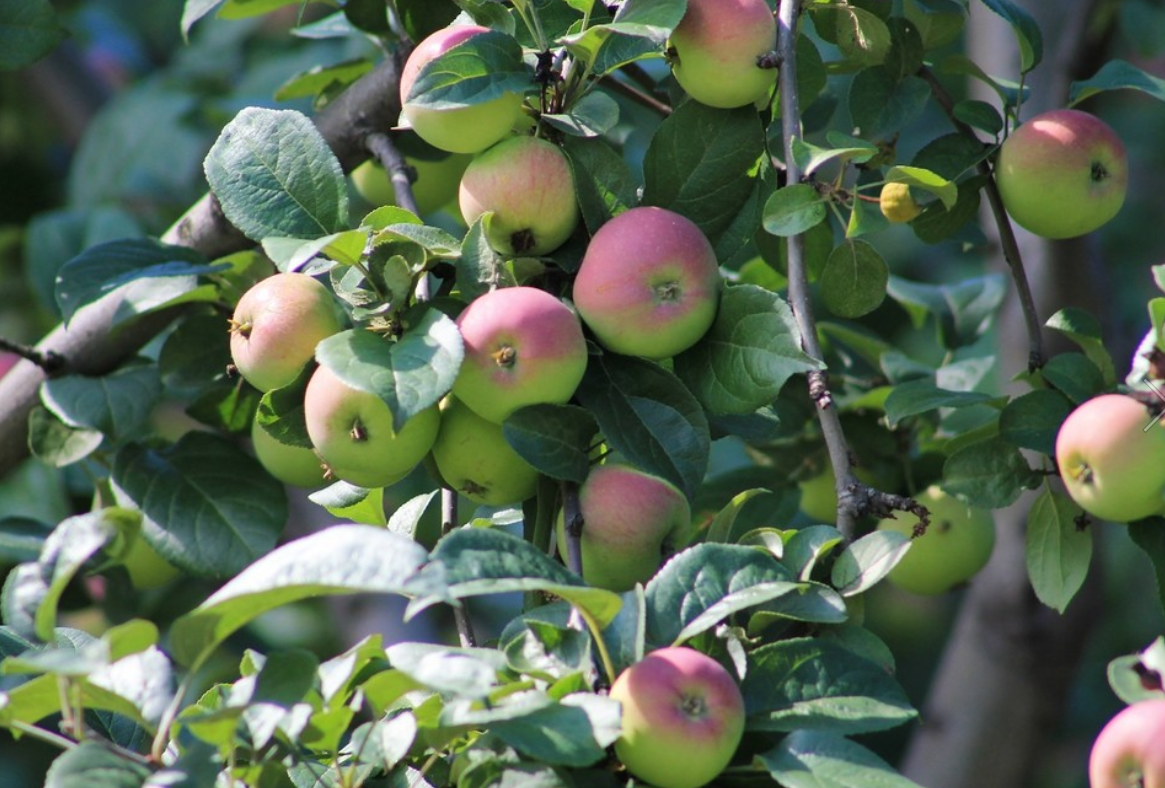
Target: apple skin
<point>1130,750</point>
<point>628,515</point>
<point>1062,174</point>
<point>146,567</point>
<point>462,129</point>
<point>435,186</point>
<point>528,183</point>
<point>683,718</point>
<point>276,326</point>
<point>717,44</point>
<point>352,432</point>
<point>649,284</point>
<point>1111,466</point>
<point>522,346</point>
<point>474,458</point>
<point>298,466</point>
<point>957,544</point>
<point>898,204</point>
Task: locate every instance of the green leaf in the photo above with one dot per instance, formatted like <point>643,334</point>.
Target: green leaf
<point>1149,535</point>
<point>29,30</point>
<point>1032,420</point>
<point>479,268</point>
<point>882,104</point>
<point>592,116</point>
<point>92,765</point>
<point>814,759</point>
<point>1085,330</point>
<point>703,585</point>
<point>810,157</point>
<point>1058,550</point>
<point>570,733</point>
<point>979,115</point>
<point>989,474</point>
<point>210,507</point>
<point>916,397</point>
<point>1074,375</point>
<point>342,559</point>
<point>349,502</point>
<point>794,209</point>
<point>410,375</point>
<point>406,519</point>
<point>936,223</point>
<point>1117,75</point>
<point>751,350</point>
<point>1027,32</point>
<point>701,163</point>
<point>58,444</point>
<point>917,177</point>
<point>1137,677</point>
<point>555,439</point>
<point>868,560</point>
<point>818,685</point>
<point>385,743</point>
<point>720,529</point>
<point>323,81</point>
<point>649,416</point>
<point>480,69</point>
<point>853,282</point>
<point>863,37</point>
<point>274,174</point>
<point>117,404</point>
<point>603,182</point>
<point>153,275</point>
<point>640,28</point>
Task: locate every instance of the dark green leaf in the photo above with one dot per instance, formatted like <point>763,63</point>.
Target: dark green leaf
<point>1117,75</point>
<point>989,474</point>
<point>815,759</point>
<point>1149,535</point>
<point>1084,329</point>
<point>564,734</point>
<point>979,115</point>
<point>1027,32</point>
<point>1074,375</point>
<point>480,69</point>
<point>91,765</point>
<point>854,280</point>
<point>1031,421</point>
<point>882,105</point>
<point>555,439</point>
<point>29,30</point>
<point>594,115</point>
<point>916,397</point>
<point>603,181</point>
<point>117,404</point>
<point>479,268</point>
<point>1059,550</point>
<point>794,209</point>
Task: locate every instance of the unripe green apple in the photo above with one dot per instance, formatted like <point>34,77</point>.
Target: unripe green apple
<point>683,718</point>
<point>466,129</point>
<point>147,569</point>
<point>528,184</point>
<point>1130,750</point>
<point>649,283</point>
<point>276,326</point>
<point>434,188</point>
<point>819,493</point>
<point>957,544</point>
<point>628,516</point>
<point>522,347</point>
<point>353,434</point>
<point>717,44</point>
<point>1062,174</point>
<point>298,466</point>
<point>474,458</point>
<point>898,204</point>
<point>1112,462</point>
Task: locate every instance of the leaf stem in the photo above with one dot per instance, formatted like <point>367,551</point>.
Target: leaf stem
<point>55,739</point>
<point>635,94</point>
<point>600,644</point>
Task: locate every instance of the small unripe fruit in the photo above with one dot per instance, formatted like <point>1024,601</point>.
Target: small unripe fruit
<point>897,203</point>
<point>434,188</point>
<point>474,458</point>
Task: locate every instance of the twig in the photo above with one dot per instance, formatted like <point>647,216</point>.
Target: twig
<point>399,171</point>
<point>448,523</point>
<point>635,94</point>
<point>50,361</point>
<point>573,522</point>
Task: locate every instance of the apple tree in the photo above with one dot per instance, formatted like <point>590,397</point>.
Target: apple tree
<point>642,359</point>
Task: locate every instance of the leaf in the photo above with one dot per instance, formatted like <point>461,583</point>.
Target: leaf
<point>117,404</point>
<point>479,268</point>
<point>592,116</point>
<point>349,502</point>
<point>1058,550</point>
<point>862,35</point>
<point>814,759</point>
<point>480,69</point>
<point>868,560</point>
<point>701,163</point>
<point>793,210</point>
<point>882,104</point>
<point>1027,32</point>
<point>1137,677</point>
<point>29,30</point>
<point>1085,330</point>
<point>1149,535</point>
<point>1074,375</point>
<point>563,734</point>
<point>1117,75</point>
<point>810,157</point>
<point>92,765</point>
<point>720,529</point>
<point>554,439</point>
<point>410,375</point>
<point>162,275</point>
<point>747,356</point>
<point>989,474</point>
<point>1032,420</point>
<point>916,397</point>
<point>818,685</point>
<point>917,177</point>
<point>407,517</point>
<point>57,444</point>
<point>649,416</point>
<point>210,507</point>
<point>853,282</point>
<point>603,182</point>
<point>274,175</point>
<point>341,559</point>
<point>703,585</point>
<point>640,28</point>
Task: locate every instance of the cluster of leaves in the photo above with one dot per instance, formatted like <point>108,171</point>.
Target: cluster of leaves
<point>750,583</point>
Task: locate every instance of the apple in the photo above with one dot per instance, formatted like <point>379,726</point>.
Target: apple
<point>683,718</point>
<point>434,188</point>
<point>467,129</point>
<point>1130,750</point>
<point>1112,462</point>
<point>897,203</point>
<point>146,567</point>
<point>522,346</point>
<point>649,283</point>
<point>528,184</point>
<point>276,326</point>
<point>474,458</point>
<point>716,47</point>
<point>957,544</point>
<point>353,434</point>
<point>1062,174</point>
<point>628,516</point>
<point>298,466</point>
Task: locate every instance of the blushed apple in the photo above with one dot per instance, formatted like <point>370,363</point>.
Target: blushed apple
<point>1112,462</point>
<point>1062,174</point>
<point>683,718</point>
<point>528,184</point>
<point>717,44</point>
<point>649,283</point>
<point>276,326</point>
<point>466,129</point>
<point>352,431</point>
<point>522,346</point>
<point>474,458</point>
<point>298,466</point>
<point>957,544</point>
<point>434,188</point>
<point>1130,750</point>
<point>628,516</point>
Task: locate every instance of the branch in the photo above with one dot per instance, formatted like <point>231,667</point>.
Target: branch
<point>448,522</point>
<point>573,522</point>
<point>635,94</point>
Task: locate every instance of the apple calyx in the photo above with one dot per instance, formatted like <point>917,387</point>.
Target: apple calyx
<point>522,240</point>
<point>505,356</point>
<point>359,432</point>
<point>694,707</point>
<point>668,292</point>
<point>1100,172</point>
